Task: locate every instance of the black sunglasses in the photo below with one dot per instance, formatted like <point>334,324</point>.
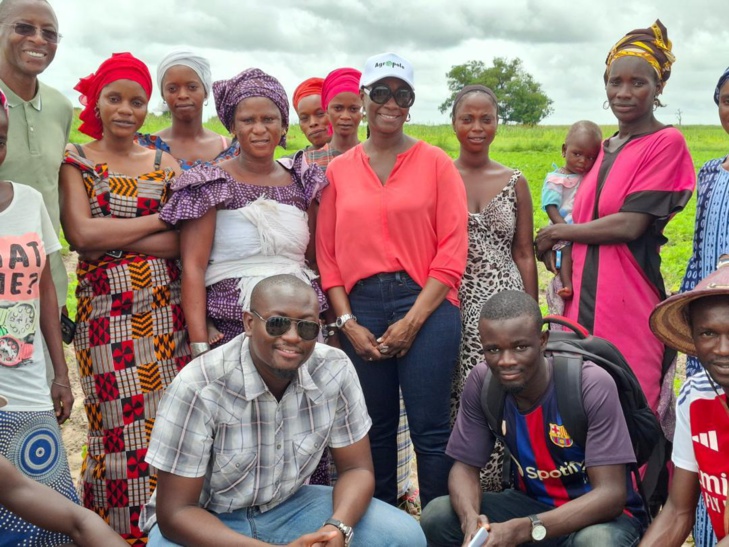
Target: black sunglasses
<point>380,94</point>
<point>277,325</point>
<point>25,29</point>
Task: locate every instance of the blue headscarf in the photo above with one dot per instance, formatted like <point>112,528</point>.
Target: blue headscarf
<point>722,81</point>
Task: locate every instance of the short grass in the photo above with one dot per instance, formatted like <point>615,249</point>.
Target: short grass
<point>533,150</point>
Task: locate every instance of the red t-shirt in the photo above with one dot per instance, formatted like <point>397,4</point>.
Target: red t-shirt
<point>701,443</point>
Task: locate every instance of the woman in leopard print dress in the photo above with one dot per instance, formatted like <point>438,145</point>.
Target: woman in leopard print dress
<point>500,231</point>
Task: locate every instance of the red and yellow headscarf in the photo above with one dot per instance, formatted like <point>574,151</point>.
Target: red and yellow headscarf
<point>651,44</point>
<point>120,66</point>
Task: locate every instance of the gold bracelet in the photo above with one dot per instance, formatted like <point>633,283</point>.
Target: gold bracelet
<point>61,385</point>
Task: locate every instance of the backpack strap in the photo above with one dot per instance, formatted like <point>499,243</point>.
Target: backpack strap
<point>493,398</point>
<point>492,403</point>
<point>568,387</point>
<point>158,159</point>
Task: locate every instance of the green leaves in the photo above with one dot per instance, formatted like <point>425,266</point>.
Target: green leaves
<point>521,99</point>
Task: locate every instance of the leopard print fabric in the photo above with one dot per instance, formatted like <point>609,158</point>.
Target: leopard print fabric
<point>490,269</point>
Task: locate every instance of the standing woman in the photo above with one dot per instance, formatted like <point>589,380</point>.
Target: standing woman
<point>641,178</point>
<point>500,231</point>
<point>391,249</point>
<point>711,245</point>
<point>184,81</point>
<point>343,106</point>
<point>29,434</point>
<point>245,218</point>
<point>130,341</point>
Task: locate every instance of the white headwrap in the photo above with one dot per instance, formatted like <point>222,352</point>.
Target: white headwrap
<point>200,65</point>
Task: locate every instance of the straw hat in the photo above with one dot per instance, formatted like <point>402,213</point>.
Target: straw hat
<point>669,321</point>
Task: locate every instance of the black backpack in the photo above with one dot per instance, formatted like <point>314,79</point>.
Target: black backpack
<point>568,350</point>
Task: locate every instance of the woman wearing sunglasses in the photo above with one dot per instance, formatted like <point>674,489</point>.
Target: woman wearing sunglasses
<point>391,247</point>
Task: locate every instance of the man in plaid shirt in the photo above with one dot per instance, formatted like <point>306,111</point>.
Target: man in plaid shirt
<point>241,429</point>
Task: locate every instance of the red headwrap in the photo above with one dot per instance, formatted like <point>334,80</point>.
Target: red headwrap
<point>312,86</point>
<point>341,80</point>
<point>120,66</point>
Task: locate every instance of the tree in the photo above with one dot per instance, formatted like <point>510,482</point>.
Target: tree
<point>521,99</point>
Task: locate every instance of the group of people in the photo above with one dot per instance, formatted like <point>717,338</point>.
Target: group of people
<point>210,273</point>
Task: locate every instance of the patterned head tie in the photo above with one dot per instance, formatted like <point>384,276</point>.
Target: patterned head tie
<point>252,82</point>
<point>724,79</point>
<point>651,44</point>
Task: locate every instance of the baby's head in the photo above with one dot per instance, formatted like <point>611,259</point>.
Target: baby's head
<point>581,147</point>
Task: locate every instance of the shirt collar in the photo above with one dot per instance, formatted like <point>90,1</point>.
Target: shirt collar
<point>254,386</point>
<point>14,100</point>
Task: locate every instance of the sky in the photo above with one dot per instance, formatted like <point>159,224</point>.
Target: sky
<point>562,43</point>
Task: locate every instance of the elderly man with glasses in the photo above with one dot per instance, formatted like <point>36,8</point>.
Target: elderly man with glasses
<point>40,116</point>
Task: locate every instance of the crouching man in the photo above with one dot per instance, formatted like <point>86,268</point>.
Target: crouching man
<point>564,494</point>
<point>697,323</point>
<point>242,428</point>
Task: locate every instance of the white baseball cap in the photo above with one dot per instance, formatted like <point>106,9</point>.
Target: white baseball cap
<point>387,65</point>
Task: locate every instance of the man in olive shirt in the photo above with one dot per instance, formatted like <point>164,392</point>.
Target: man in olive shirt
<point>40,116</point>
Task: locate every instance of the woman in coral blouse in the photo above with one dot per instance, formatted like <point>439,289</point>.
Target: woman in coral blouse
<point>391,247</point>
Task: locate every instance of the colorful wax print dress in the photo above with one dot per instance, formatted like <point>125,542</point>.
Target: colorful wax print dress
<point>130,343</point>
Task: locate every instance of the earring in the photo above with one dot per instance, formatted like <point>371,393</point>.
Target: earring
<point>408,118</point>
<point>606,105</point>
<point>206,102</point>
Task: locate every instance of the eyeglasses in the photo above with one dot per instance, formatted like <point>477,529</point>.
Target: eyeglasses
<point>277,325</point>
<point>25,29</point>
<point>380,94</point>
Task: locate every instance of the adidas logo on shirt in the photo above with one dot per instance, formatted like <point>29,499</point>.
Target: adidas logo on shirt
<point>707,439</point>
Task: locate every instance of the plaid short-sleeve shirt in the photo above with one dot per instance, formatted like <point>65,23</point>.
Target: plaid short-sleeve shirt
<point>219,420</point>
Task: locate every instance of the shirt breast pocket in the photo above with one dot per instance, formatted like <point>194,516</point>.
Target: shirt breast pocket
<point>308,449</point>
<point>233,472</point>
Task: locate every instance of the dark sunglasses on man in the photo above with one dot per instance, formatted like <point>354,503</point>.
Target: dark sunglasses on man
<point>24,29</point>
<point>380,94</point>
<point>277,325</point>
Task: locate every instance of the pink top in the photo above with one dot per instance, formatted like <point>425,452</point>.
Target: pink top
<point>417,221</point>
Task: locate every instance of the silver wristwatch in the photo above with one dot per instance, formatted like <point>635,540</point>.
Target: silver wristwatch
<point>342,319</point>
<point>347,531</point>
<point>539,532</point>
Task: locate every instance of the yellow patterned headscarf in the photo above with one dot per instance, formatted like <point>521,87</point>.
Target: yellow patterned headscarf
<point>651,44</point>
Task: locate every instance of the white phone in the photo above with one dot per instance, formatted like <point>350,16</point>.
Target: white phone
<point>480,538</point>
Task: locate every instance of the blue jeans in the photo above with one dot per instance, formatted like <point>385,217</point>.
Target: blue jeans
<point>424,374</point>
<point>305,512</point>
<point>442,527</point>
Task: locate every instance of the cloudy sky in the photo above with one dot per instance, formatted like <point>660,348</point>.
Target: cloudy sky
<point>563,43</point>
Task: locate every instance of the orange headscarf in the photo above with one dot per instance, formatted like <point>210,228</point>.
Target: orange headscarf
<point>312,86</point>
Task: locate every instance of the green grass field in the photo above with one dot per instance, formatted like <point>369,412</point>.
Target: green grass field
<point>532,150</point>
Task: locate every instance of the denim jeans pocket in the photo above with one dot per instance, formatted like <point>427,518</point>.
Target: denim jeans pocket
<point>409,284</point>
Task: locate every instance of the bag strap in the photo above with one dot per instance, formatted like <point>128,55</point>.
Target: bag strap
<point>79,150</point>
<point>492,403</point>
<point>493,398</point>
<point>568,386</point>
<point>158,159</point>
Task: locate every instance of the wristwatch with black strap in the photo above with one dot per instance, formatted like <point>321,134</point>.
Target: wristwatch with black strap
<point>539,532</point>
<point>347,531</point>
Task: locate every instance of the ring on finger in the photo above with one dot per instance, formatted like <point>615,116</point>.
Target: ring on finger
<point>384,349</point>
